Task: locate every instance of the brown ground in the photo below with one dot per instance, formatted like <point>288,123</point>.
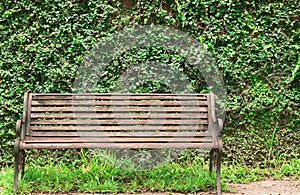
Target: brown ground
<point>267,187</point>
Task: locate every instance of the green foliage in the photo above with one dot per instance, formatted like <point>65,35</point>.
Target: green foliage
<point>255,45</point>
<point>237,173</point>
<point>95,175</point>
<point>85,173</point>
<point>6,181</point>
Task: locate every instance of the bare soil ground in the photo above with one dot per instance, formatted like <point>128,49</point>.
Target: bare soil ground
<point>266,187</point>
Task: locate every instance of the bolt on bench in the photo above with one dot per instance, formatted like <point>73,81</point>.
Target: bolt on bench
<point>132,121</point>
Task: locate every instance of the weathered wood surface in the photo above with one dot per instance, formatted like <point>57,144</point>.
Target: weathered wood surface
<point>117,118</point>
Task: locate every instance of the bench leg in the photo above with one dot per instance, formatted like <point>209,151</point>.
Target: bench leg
<point>215,164</point>
<point>17,163</point>
<point>22,160</point>
<point>212,161</point>
<point>219,159</point>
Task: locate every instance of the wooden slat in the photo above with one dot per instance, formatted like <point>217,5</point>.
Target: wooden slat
<point>120,94</point>
<point>122,115</point>
<point>119,128</point>
<point>119,121</point>
<point>119,109</point>
<point>119,134</point>
<point>120,97</point>
<point>118,145</point>
<point>116,103</point>
<point>116,139</point>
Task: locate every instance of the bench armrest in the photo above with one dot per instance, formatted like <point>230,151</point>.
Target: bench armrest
<point>220,124</point>
<point>19,127</point>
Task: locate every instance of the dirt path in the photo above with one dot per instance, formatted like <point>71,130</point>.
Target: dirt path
<point>267,187</point>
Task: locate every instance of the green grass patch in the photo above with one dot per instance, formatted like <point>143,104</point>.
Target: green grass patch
<point>236,173</point>
<point>98,176</point>
<point>6,180</point>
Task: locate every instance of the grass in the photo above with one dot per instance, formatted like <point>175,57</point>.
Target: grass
<point>235,173</point>
<point>95,175</point>
<point>6,180</point>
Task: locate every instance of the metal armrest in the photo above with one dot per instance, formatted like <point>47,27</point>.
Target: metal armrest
<point>18,127</point>
<point>220,124</point>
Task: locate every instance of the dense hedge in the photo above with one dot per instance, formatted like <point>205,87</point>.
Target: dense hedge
<point>254,43</point>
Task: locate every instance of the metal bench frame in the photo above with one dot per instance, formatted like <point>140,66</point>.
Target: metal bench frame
<point>33,116</point>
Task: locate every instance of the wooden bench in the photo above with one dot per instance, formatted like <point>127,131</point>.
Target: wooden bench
<point>133,121</point>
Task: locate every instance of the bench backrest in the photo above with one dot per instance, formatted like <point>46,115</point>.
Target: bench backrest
<point>144,119</point>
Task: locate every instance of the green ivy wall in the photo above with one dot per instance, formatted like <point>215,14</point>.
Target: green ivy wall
<point>254,43</point>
